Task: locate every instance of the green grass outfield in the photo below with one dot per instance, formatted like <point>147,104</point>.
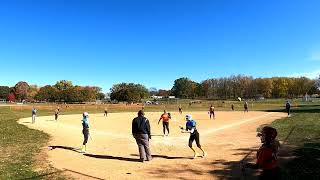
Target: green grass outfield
<point>301,133</point>
<point>19,145</point>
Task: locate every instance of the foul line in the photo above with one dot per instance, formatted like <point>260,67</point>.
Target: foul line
<point>236,124</point>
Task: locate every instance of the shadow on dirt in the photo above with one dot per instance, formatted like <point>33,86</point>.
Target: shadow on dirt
<point>164,157</point>
<point>51,175</point>
<point>111,157</point>
<point>177,171</point>
<point>26,122</point>
<point>66,148</point>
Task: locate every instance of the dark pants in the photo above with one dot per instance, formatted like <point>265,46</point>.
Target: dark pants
<point>288,111</point>
<point>212,114</point>
<point>165,126</point>
<point>56,116</point>
<point>85,133</point>
<point>143,145</point>
<point>246,109</point>
<point>194,136</point>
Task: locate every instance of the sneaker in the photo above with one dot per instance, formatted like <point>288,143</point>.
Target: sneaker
<point>204,154</point>
<point>195,155</point>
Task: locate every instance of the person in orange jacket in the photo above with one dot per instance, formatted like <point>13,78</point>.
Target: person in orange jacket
<point>165,117</point>
<point>267,155</point>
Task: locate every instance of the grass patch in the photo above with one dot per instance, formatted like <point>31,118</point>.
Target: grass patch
<point>18,146</point>
<point>302,130</point>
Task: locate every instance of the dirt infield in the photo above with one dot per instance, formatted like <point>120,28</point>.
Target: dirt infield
<point>112,152</point>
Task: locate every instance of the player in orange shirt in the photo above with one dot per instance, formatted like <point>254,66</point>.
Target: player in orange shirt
<point>165,117</point>
<point>267,155</point>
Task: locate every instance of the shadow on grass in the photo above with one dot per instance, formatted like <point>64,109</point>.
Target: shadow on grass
<point>224,169</point>
<point>308,105</point>
<point>45,175</point>
<point>49,175</point>
<point>297,110</point>
<point>306,164</point>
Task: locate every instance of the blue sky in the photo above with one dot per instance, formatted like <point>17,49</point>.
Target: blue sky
<point>154,42</point>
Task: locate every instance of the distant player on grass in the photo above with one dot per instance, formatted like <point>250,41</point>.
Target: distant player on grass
<point>288,107</point>
<point>165,117</point>
<point>34,115</point>
<point>211,112</point>
<point>194,135</point>
<point>232,107</point>
<point>266,155</point>
<point>85,131</point>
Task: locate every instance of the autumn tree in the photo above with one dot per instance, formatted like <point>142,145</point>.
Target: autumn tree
<point>184,88</point>
<point>128,92</point>
<point>21,90</point>
<point>4,92</point>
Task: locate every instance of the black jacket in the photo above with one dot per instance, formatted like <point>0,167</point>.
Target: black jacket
<point>141,125</point>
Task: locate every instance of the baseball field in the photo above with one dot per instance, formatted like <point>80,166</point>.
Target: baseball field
<point>112,152</point>
<point>51,149</point>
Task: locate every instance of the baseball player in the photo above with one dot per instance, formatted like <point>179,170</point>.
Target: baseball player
<point>34,114</point>
<point>180,109</point>
<point>85,131</point>
<point>194,135</point>
<point>211,112</point>
<point>56,113</point>
<point>165,117</point>
<point>288,107</point>
<point>245,106</point>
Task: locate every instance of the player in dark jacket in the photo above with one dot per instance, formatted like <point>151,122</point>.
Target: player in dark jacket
<point>288,107</point>
<point>142,133</point>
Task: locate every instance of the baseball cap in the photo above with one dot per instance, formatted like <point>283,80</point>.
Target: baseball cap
<point>188,117</point>
<point>85,114</point>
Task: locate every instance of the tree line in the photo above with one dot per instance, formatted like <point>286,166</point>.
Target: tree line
<point>245,87</point>
<point>230,87</point>
<point>62,91</point>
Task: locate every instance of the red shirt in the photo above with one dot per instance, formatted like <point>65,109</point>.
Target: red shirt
<point>266,159</point>
<point>165,117</point>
